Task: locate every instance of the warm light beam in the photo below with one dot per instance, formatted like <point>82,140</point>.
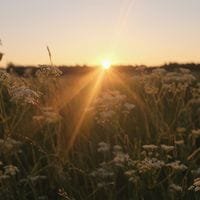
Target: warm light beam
<point>91,97</point>
<point>106,64</point>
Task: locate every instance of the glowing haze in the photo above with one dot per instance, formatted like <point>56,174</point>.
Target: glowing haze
<point>88,31</point>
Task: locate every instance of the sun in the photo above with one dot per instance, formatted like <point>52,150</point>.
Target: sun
<point>106,64</point>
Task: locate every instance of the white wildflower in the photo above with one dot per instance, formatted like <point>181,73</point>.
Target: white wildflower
<point>196,133</point>
<point>177,166</point>
<point>132,176</point>
<point>24,95</point>
<point>9,145</point>
<point>176,78</point>
<point>130,173</point>
<point>4,77</point>
<point>38,118</point>
<point>48,71</point>
<point>181,130</point>
<point>11,170</point>
<point>149,164</point>
<point>150,147</point>
<point>179,142</point>
<point>167,148</point>
<point>107,114</point>
<point>117,148</point>
<point>109,105</point>
<point>48,114</point>
<point>3,176</point>
<point>150,89</point>
<point>196,185</point>
<point>120,159</point>
<point>103,147</point>
<point>129,106</point>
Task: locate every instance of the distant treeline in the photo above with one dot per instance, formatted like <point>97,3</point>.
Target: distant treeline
<point>129,69</point>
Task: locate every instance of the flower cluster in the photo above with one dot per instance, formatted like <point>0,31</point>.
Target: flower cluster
<point>110,105</point>
<point>9,145</point>
<point>48,71</point>
<point>183,76</point>
<point>103,147</point>
<point>48,115</point>
<point>196,185</point>
<point>120,158</point>
<point>5,78</point>
<point>11,170</point>
<point>8,171</point>
<point>177,166</point>
<point>24,95</point>
<point>149,164</point>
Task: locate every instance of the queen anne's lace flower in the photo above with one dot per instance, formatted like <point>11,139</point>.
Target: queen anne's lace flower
<point>195,133</point>
<point>4,76</point>
<point>48,71</point>
<point>174,77</point>
<point>196,185</point>
<point>103,147</point>
<point>120,159</point>
<point>11,170</point>
<point>150,89</point>
<point>149,164</point>
<point>177,166</point>
<point>129,106</point>
<point>9,145</point>
<point>117,148</point>
<point>130,173</point>
<point>179,142</point>
<point>167,148</point>
<point>48,114</point>
<point>110,105</point>
<point>180,129</point>
<point>24,95</point>
<point>150,147</point>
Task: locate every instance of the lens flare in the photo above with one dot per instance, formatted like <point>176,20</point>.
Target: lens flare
<point>106,64</point>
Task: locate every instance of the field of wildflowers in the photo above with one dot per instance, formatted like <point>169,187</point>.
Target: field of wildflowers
<point>99,136</point>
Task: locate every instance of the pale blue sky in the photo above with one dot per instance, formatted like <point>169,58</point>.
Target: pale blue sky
<point>86,31</point>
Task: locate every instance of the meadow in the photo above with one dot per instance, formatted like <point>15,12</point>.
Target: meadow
<point>102,134</point>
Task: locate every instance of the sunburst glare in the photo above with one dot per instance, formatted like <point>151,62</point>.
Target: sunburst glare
<point>106,64</point>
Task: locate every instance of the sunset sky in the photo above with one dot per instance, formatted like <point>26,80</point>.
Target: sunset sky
<point>147,32</point>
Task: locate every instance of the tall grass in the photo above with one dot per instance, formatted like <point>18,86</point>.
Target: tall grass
<point>133,137</point>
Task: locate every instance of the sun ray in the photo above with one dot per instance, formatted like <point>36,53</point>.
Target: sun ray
<point>65,95</point>
<point>91,97</point>
<point>135,98</point>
